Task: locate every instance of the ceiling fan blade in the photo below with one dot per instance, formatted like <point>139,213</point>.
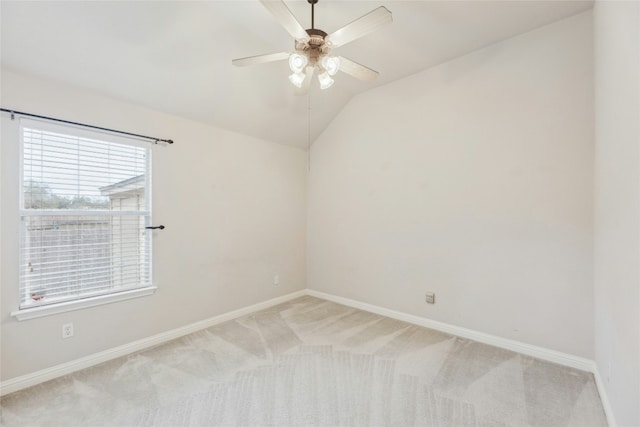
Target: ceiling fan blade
<point>356,70</point>
<point>260,59</point>
<point>360,27</point>
<point>306,83</point>
<point>284,16</point>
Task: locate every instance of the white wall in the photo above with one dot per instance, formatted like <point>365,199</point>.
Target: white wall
<point>235,211</point>
<point>617,205</point>
<point>472,179</point>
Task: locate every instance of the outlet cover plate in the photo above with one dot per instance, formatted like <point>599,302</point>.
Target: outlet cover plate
<point>430,298</point>
<point>67,330</point>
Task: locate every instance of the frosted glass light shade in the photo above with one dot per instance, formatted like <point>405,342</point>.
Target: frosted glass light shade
<point>296,79</point>
<point>297,62</point>
<point>325,80</point>
<point>331,64</point>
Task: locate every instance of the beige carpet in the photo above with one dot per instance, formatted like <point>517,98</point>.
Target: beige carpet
<point>313,362</point>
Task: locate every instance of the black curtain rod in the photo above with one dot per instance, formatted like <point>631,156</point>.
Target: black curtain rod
<point>155,140</point>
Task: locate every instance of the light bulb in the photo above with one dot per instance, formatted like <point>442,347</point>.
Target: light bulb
<point>331,64</point>
<point>297,62</point>
<point>296,79</point>
<point>325,80</point>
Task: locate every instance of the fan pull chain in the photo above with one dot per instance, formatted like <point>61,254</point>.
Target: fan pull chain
<point>309,133</point>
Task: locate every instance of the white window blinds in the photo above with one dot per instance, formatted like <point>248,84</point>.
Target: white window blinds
<point>84,208</point>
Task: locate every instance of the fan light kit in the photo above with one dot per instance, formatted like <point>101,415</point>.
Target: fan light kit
<point>313,47</point>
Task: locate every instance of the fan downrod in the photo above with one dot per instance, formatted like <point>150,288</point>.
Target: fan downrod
<point>312,3</point>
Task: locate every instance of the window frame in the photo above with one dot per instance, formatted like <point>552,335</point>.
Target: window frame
<point>87,301</point>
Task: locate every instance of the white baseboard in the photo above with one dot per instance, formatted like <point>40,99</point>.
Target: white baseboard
<point>517,346</point>
<point>24,381</point>
<point>606,404</point>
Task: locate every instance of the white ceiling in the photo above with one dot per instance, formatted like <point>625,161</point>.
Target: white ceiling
<point>176,56</point>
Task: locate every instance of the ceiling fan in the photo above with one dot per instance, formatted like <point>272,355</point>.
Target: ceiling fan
<point>312,47</point>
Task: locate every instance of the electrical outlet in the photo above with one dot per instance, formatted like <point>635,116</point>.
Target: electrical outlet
<point>430,298</point>
<point>67,330</point>
<point>276,280</point>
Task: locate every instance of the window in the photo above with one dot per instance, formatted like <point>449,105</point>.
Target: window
<point>85,203</point>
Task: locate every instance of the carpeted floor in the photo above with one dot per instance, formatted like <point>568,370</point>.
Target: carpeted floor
<point>313,362</point>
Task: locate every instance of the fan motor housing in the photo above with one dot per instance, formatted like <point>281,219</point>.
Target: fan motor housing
<point>315,46</point>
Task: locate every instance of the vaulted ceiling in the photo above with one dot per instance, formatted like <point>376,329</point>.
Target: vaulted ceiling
<point>176,56</point>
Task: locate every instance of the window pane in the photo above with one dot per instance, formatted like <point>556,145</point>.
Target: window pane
<point>69,172</point>
<point>66,255</point>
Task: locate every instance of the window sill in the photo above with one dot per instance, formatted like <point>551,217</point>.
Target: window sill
<point>47,310</point>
